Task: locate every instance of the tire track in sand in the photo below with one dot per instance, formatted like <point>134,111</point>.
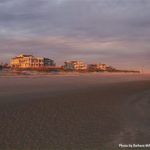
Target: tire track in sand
<point>135,120</point>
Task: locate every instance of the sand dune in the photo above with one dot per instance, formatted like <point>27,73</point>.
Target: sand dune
<point>74,111</point>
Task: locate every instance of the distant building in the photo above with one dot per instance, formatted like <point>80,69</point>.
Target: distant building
<point>75,65</point>
<point>6,66</point>
<point>111,69</point>
<point>97,67</point>
<point>1,66</point>
<point>29,61</point>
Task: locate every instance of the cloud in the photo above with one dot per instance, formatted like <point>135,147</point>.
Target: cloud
<point>92,29</point>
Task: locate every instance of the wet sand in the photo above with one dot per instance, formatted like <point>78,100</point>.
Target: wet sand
<point>83,111</point>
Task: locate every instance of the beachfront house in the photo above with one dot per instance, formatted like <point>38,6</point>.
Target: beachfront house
<point>29,61</point>
<point>97,67</point>
<point>1,65</point>
<point>75,65</point>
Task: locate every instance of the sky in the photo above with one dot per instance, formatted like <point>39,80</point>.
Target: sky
<point>115,32</point>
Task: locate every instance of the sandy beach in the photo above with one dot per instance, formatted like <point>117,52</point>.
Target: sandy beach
<point>74,111</point>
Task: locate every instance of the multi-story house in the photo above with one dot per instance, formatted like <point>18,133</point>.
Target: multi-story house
<point>97,67</point>
<point>1,66</point>
<point>75,65</point>
<point>29,61</point>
